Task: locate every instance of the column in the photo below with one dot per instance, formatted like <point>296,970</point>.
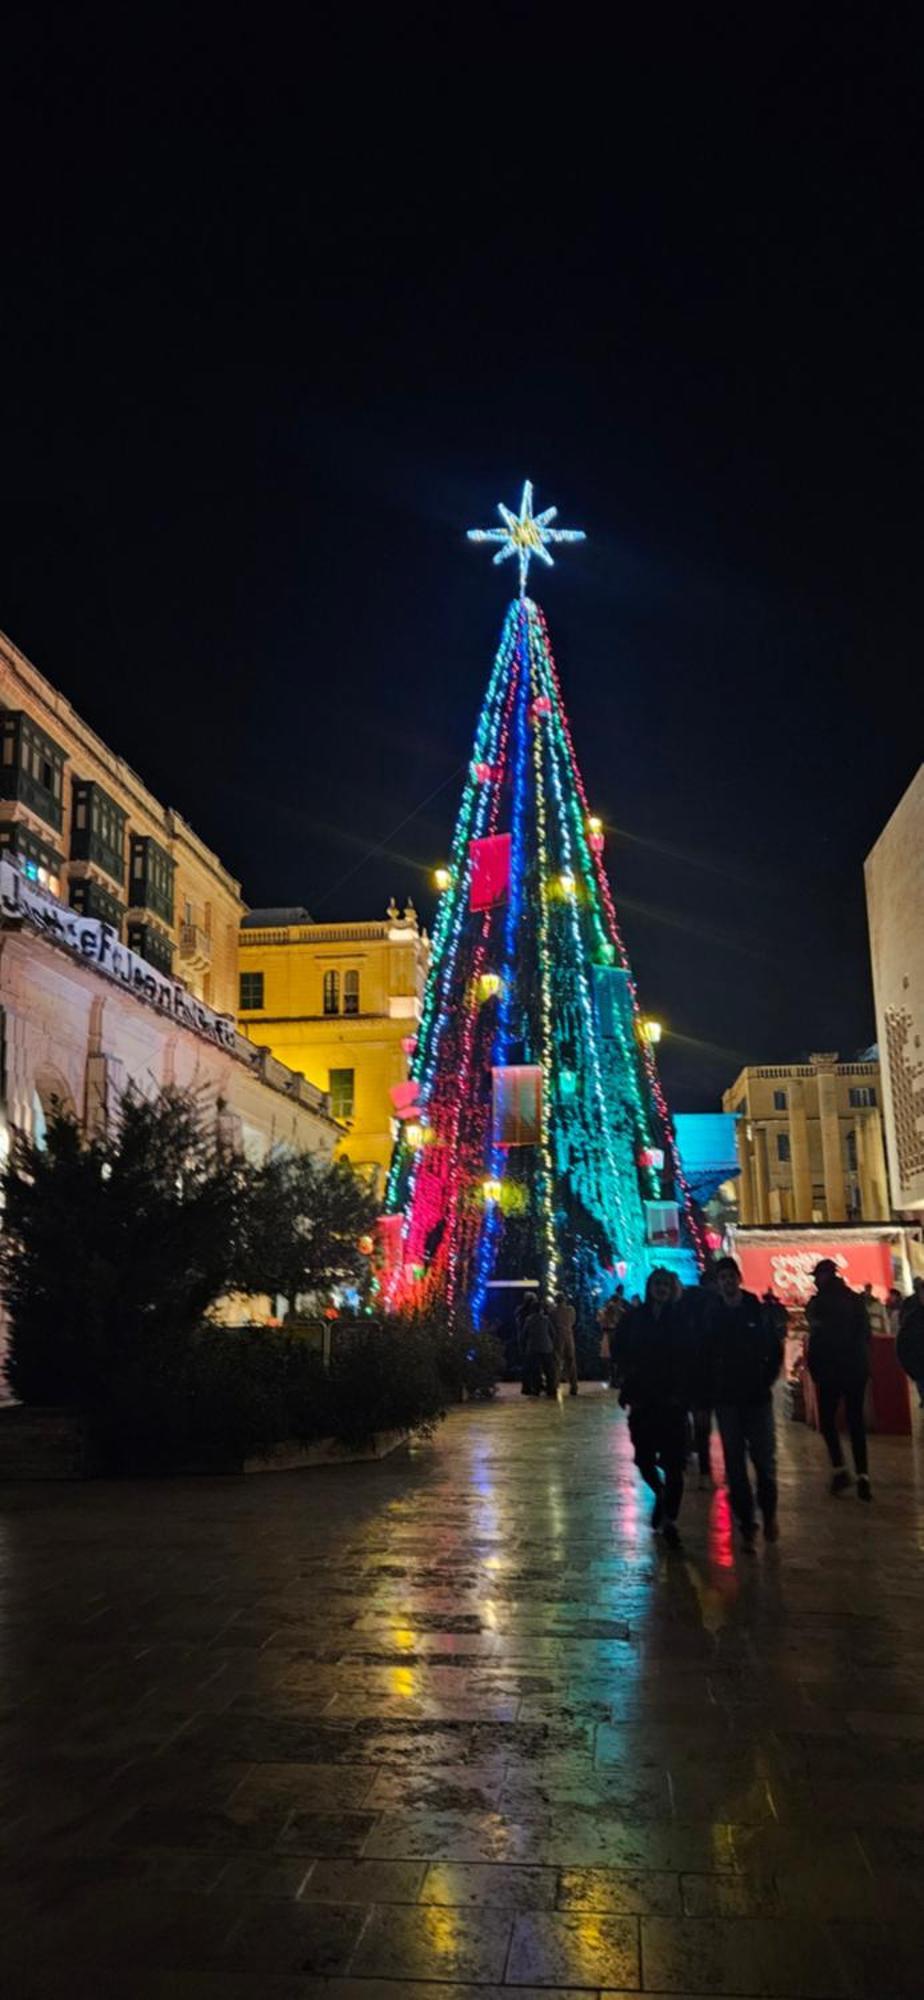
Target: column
<point>875,1145</point>
<point>799,1153</point>
<point>835,1198</point>
<point>761,1174</point>
<point>863,1173</point>
<point>745,1178</point>
<point>871,1167</point>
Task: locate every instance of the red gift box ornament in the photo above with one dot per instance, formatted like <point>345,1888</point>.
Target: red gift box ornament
<point>541,706</point>
<point>404,1098</point>
<point>489,871</point>
<point>651,1156</point>
<point>483,773</point>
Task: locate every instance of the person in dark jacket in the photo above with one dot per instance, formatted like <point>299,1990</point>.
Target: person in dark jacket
<point>651,1358</point>
<point>539,1338</point>
<point>563,1319</point>
<point>697,1304</point>
<point>744,1355</point>
<point>909,1345</point>
<point>838,1362</point>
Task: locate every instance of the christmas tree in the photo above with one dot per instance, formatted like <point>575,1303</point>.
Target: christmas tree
<point>535,1144</point>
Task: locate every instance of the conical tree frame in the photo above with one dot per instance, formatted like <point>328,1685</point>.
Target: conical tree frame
<point>537,983</point>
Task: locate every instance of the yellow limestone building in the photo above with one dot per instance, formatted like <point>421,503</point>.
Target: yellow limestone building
<point>340,1002</point>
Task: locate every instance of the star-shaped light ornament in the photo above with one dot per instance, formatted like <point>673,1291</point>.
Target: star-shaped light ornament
<point>525,535</point>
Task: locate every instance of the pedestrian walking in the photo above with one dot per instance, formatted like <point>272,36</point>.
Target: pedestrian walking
<point>651,1356</point>
<point>838,1362</point>
<point>894,1304</point>
<point>563,1318</point>
<point>875,1312</point>
<point>743,1357</point>
<point>696,1306</point>
<point>910,1342</point>
<point>609,1320</point>
<point>525,1309</point>
<point>541,1367</point>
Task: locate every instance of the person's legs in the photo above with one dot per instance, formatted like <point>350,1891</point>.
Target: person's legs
<point>550,1374</point>
<point>645,1447</point>
<point>854,1396</point>
<point>829,1396</point>
<point>571,1367</point>
<point>761,1441</point>
<point>702,1432</point>
<point>672,1452</point>
<point>732,1433</point>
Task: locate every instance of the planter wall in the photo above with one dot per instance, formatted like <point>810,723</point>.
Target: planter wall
<point>53,1444</point>
<point>44,1444</point>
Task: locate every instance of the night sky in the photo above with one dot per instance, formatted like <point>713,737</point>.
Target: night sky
<point>286,311</point>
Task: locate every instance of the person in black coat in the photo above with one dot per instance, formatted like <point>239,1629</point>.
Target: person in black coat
<point>743,1357</point>
<point>838,1362</point>
<point>651,1360</point>
<point>909,1345</point>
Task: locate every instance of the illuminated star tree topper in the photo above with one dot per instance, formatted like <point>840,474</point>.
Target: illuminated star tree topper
<point>526,534</point>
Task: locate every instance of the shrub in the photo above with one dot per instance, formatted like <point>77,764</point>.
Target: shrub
<point>112,1245</point>
<point>227,1394</point>
<point>385,1375</point>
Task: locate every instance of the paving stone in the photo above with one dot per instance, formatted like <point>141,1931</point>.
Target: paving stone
<point>350,1881</point>
<point>325,1833</point>
<point>583,1948</point>
<point>458,1883</point>
<point>434,1942</point>
<point>275,1936</point>
<point>752,1955</point>
<point>650,1894</point>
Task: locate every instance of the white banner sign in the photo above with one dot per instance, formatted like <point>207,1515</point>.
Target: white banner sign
<point>98,945</point>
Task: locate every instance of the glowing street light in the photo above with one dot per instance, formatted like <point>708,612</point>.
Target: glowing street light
<point>651,1031</point>
<point>441,879</point>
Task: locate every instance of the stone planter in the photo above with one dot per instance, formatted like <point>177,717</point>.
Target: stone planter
<point>328,1451</point>
<point>44,1444</point>
<point>53,1444</point>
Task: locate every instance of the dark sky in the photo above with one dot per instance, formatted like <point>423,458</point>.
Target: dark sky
<point>285,310</point>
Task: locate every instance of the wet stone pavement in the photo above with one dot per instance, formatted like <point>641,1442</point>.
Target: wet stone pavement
<point>459,1724</point>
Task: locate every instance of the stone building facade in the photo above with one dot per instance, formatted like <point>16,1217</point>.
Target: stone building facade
<point>895,907</point>
<point>81,1018</point>
<point>341,1003</point>
<point>810,1144</point>
<point>80,823</point>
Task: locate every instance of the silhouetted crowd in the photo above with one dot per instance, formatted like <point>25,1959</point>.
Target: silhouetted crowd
<point>680,1357</point>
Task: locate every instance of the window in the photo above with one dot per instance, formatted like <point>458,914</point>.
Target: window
<point>332,993</point>
<point>852,1152</point>
<point>251,991</point>
<point>779,1100</point>
<point>862,1096</point>
<point>187,911</point>
<point>340,1082</point>
<point>782,1148</point>
<point>351,992</point>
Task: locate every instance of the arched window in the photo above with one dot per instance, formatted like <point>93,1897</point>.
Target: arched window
<point>331,992</point>
<point>351,992</point>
